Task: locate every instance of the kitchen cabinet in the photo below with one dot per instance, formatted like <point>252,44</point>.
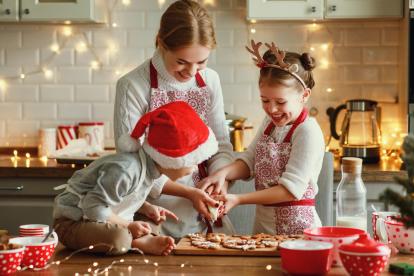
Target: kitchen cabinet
<point>323,9</point>
<point>27,201</point>
<point>52,11</point>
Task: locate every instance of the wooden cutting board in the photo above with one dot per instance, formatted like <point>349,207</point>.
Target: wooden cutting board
<point>184,247</point>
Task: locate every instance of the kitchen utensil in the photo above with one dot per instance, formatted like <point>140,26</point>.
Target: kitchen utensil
<point>306,257</point>
<point>33,230</point>
<point>36,252</point>
<point>364,256</point>
<point>400,236</point>
<point>335,235</point>
<point>10,260</point>
<point>236,128</point>
<point>378,224</point>
<point>48,235</point>
<point>360,132</point>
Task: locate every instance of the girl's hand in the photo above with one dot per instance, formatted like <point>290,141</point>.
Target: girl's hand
<point>200,201</point>
<point>139,229</point>
<point>213,184</point>
<point>230,201</point>
<point>156,213</point>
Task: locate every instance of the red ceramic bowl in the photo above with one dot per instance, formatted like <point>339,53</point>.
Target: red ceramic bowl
<point>400,236</point>
<point>10,260</point>
<point>306,257</point>
<point>335,235</point>
<point>36,253</point>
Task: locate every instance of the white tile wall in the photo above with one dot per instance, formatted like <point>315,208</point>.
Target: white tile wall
<point>362,57</point>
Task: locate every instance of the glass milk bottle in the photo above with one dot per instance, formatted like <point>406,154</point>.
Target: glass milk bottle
<point>351,196</point>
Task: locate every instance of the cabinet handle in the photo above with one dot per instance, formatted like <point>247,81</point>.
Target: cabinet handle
<point>18,188</point>
<point>313,9</point>
<point>333,8</point>
<point>7,11</point>
<point>26,11</point>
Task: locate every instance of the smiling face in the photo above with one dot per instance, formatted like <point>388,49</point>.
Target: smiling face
<point>283,104</point>
<point>184,63</point>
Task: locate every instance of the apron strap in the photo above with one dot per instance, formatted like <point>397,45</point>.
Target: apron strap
<point>153,76</point>
<point>298,121</point>
<point>199,80</point>
<point>302,202</point>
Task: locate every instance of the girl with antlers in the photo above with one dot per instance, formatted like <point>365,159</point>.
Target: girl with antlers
<point>286,155</point>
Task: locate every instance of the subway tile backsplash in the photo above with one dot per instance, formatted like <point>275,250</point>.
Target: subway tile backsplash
<point>356,59</point>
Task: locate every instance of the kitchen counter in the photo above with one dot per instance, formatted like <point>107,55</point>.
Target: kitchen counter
<point>133,264</point>
<point>384,171</point>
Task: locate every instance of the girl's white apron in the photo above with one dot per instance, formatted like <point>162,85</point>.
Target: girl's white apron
<point>200,99</point>
<point>271,160</point>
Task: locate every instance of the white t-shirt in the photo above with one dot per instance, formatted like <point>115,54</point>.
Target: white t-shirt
<point>306,156</point>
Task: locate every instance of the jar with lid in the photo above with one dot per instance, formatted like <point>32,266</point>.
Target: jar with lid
<point>351,196</point>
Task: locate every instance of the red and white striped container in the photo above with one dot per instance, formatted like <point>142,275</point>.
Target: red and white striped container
<point>65,134</point>
<point>33,230</point>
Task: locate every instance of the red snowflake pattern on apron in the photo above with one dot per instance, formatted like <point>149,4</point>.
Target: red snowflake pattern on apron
<point>271,160</point>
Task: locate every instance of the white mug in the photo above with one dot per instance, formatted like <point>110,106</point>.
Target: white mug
<point>93,133</point>
<point>47,141</point>
<point>378,224</point>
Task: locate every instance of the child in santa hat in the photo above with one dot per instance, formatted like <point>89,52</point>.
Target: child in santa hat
<point>98,205</point>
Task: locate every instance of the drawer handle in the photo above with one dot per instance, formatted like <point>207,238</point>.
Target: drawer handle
<point>18,188</point>
<point>7,11</point>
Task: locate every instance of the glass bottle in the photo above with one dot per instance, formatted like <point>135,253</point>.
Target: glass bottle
<point>351,196</point>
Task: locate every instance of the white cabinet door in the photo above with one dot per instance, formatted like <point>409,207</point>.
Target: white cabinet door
<point>9,10</point>
<point>284,9</point>
<point>364,8</point>
<point>61,10</point>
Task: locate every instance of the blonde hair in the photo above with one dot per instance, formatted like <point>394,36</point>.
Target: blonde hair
<point>185,23</point>
<point>272,76</point>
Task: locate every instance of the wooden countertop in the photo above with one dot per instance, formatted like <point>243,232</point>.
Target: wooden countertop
<point>384,171</point>
<point>134,264</point>
<point>35,168</point>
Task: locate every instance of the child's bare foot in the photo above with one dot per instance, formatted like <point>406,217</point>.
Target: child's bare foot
<point>155,245</point>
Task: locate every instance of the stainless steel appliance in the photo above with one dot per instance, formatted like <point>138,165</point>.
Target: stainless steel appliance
<point>360,132</point>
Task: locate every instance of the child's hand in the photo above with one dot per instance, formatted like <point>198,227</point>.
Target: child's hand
<point>230,201</point>
<point>201,200</point>
<point>139,229</point>
<point>216,180</point>
<point>156,213</point>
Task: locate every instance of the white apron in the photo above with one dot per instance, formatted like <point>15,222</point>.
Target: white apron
<point>130,203</point>
<point>271,160</point>
<point>200,100</point>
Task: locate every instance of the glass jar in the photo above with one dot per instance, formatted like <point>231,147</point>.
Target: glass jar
<point>351,196</point>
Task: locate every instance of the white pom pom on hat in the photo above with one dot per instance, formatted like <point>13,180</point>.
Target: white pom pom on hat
<point>176,136</point>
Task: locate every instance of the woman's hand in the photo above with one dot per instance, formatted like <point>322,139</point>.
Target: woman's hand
<point>214,183</point>
<point>201,200</point>
<point>230,201</point>
<point>139,229</point>
<point>156,213</point>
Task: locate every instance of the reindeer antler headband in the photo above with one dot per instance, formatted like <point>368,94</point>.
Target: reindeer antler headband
<point>292,69</point>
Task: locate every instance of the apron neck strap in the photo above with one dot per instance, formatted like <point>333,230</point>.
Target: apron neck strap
<point>154,78</point>
<point>302,116</point>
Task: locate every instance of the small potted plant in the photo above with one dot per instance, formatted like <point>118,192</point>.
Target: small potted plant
<point>401,230</point>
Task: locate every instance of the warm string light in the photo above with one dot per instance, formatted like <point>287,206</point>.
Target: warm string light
<point>68,32</point>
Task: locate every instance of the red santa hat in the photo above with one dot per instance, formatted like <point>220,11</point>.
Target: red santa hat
<point>176,136</point>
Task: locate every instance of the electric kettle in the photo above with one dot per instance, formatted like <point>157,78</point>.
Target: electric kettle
<point>360,132</point>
